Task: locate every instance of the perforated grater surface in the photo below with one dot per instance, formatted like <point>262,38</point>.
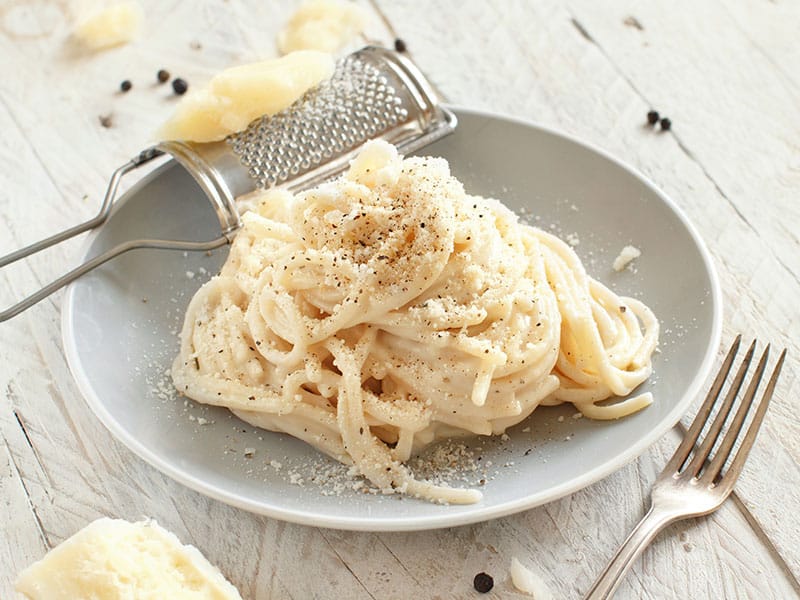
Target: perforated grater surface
<point>358,103</point>
<point>373,93</point>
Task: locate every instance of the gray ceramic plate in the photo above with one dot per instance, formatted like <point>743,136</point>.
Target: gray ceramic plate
<point>120,325</point>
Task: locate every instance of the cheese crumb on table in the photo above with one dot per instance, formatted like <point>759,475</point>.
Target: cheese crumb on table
<point>528,582</point>
<point>238,95</point>
<point>112,559</point>
<point>114,25</point>
<point>626,255</point>
<point>326,25</point>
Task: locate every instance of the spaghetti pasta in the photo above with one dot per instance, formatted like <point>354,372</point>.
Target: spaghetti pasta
<point>387,309</point>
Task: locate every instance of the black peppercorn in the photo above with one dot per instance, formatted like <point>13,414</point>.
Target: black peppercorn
<point>399,45</point>
<point>179,86</point>
<point>483,582</point>
<point>652,117</point>
<point>666,124</point>
<point>125,85</point>
<point>162,76</point>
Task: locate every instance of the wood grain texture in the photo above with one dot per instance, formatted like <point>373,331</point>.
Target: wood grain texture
<point>23,534</point>
<point>727,76</point>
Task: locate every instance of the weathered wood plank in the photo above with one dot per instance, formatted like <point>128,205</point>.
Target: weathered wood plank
<point>770,28</point>
<point>526,59</point>
<point>22,538</point>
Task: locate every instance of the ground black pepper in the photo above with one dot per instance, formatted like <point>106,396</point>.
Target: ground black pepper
<point>652,117</point>
<point>179,86</point>
<point>125,85</point>
<point>666,124</point>
<point>162,76</point>
<point>483,582</point>
<point>399,45</point>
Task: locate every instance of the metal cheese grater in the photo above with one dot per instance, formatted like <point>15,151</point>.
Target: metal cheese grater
<point>373,93</point>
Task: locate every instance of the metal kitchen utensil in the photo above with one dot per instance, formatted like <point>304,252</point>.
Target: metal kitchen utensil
<point>701,474</point>
<point>373,93</point>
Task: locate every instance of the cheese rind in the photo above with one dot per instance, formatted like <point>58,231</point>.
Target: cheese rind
<point>112,559</point>
<point>237,96</point>
<point>117,24</point>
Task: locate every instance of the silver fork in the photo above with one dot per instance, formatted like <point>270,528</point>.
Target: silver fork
<point>691,486</point>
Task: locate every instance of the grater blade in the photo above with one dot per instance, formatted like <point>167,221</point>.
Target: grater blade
<point>373,93</point>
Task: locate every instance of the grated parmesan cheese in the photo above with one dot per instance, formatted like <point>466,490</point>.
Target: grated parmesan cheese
<point>626,255</point>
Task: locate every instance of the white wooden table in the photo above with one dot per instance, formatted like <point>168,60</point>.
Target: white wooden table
<point>727,73</point>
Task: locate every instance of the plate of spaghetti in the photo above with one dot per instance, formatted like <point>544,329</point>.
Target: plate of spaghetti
<point>423,342</point>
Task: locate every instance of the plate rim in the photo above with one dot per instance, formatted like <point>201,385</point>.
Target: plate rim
<point>446,519</point>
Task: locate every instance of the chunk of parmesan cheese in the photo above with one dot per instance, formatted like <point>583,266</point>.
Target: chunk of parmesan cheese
<point>114,25</point>
<point>112,559</point>
<point>626,255</point>
<point>237,96</point>
<point>326,25</point>
<point>528,582</point>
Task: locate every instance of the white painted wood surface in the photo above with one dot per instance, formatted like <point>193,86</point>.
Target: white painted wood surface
<point>725,72</point>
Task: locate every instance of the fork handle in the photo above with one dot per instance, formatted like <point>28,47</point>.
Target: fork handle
<point>606,584</point>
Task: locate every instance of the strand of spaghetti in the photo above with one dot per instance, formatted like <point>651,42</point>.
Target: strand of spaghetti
<point>317,427</point>
<point>616,410</point>
<point>371,456</point>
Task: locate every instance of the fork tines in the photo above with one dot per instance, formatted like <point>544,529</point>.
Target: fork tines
<point>694,456</point>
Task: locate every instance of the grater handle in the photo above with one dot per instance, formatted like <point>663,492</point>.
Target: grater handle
<point>142,158</point>
<point>105,257</point>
